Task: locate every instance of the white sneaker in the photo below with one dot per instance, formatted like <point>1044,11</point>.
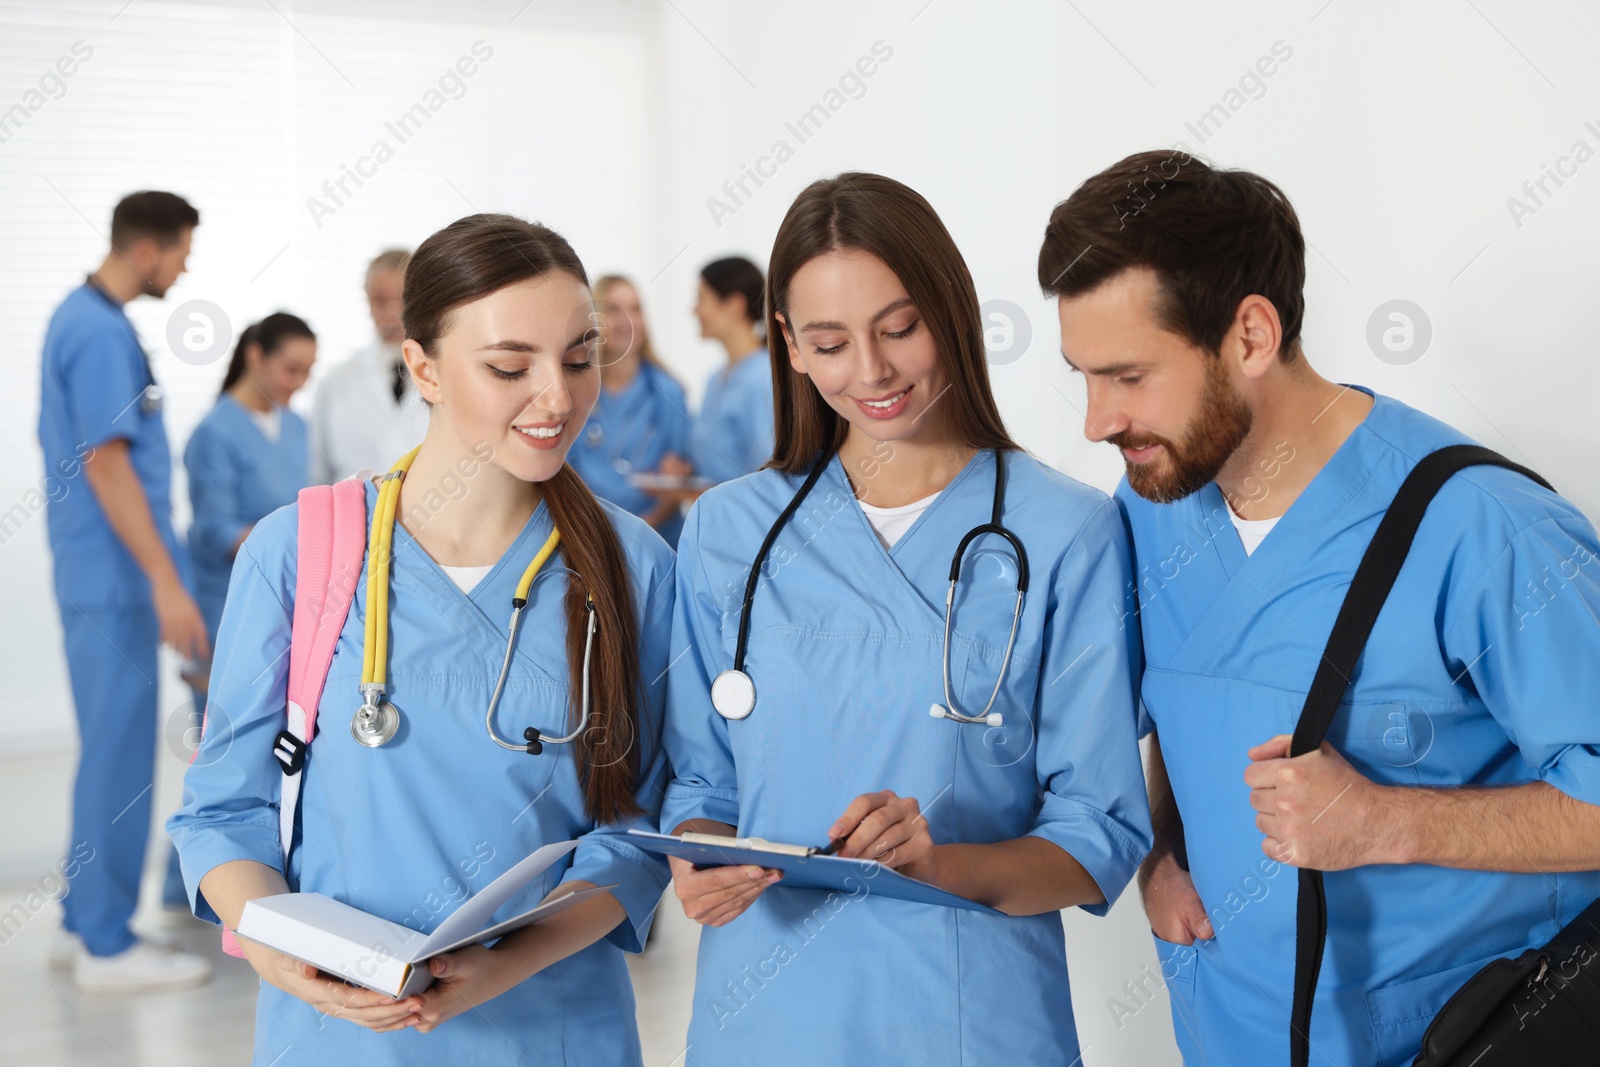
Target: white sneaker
<point>64,949</point>
<point>143,967</point>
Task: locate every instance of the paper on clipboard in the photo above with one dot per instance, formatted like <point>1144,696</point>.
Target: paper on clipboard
<point>807,872</point>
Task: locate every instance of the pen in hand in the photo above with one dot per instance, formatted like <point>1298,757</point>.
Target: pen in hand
<point>834,845</point>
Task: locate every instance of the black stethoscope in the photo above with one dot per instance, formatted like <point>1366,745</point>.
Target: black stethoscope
<point>733,694</point>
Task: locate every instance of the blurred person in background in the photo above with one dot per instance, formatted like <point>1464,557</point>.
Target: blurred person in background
<point>366,413</point>
<point>735,423</point>
<point>641,417</point>
<point>119,583</point>
<point>248,457</point>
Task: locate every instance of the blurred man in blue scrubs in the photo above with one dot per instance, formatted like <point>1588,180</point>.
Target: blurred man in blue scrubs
<point>118,583</point>
<point>1456,801</point>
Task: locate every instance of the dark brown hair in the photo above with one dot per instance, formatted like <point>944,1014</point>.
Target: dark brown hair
<point>1213,237</point>
<point>160,216</point>
<point>467,260</point>
<point>880,216</point>
<point>735,274</point>
<point>270,334</point>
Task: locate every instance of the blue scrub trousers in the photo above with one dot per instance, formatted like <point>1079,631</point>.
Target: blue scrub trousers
<point>111,657</point>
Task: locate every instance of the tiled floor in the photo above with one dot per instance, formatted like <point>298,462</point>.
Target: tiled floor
<point>47,1023</point>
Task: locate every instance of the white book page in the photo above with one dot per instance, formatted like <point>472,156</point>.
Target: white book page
<point>467,922</point>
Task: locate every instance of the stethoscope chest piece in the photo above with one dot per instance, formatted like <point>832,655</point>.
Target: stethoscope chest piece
<point>375,724</point>
<point>733,694</point>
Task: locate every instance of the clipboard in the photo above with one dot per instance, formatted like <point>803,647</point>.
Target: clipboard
<point>806,871</point>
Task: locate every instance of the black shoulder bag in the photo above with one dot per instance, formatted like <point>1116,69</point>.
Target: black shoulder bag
<point>1542,1007</point>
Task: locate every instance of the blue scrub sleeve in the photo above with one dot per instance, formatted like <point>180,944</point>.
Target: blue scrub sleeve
<point>214,479</point>
<point>603,855</point>
<point>1529,634</point>
<point>704,783</point>
<point>1094,801</point>
<point>754,417</point>
<point>104,380</point>
<point>231,790</point>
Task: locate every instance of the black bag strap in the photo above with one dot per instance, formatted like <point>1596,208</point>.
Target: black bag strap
<point>1375,577</point>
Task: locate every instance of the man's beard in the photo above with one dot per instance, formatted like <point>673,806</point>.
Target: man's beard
<point>1217,431</point>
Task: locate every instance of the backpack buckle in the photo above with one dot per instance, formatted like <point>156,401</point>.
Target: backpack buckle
<point>289,751</point>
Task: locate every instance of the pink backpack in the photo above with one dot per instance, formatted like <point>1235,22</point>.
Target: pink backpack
<point>332,543</point>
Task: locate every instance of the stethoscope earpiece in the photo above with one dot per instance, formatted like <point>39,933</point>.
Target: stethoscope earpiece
<point>994,718</point>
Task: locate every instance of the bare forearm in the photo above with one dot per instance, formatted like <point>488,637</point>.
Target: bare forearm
<point>533,948</point>
<point>228,886</point>
<point>1532,828</point>
<point>1023,876</point>
<point>116,486</point>
<point>1165,820</point>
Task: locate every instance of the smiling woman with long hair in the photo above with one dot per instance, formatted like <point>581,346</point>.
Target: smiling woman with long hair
<point>890,448</point>
<point>499,343</point>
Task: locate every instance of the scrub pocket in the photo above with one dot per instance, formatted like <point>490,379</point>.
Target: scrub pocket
<point>1178,966</point>
<point>1178,963</point>
<point>1400,1014</point>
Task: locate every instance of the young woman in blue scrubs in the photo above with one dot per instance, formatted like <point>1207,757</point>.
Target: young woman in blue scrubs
<point>883,390</point>
<point>734,426</point>
<point>641,417</point>
<point>500,343</point>
<point>249,456</point>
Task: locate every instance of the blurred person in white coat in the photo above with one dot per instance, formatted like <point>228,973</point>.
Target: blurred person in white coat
<point>367,414</point>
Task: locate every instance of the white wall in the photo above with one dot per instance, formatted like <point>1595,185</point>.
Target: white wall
<point>247,113</point>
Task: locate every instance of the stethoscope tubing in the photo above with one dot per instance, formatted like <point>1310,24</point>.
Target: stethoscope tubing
<point>995,526</point>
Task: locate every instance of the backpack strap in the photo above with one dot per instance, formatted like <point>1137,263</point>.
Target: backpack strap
<point>1374,578</point>
<point>332,542</point>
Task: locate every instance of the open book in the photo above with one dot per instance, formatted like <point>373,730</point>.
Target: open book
<point>386,957</point>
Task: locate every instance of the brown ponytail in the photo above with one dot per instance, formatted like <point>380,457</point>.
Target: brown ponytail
<point>610,746</point>
<point>467,260</point>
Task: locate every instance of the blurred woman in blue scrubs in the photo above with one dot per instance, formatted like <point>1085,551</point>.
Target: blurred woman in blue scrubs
<point>248,457</point>
<point>500,344</point>
<point>734,428</point>
<point>641,417</point>
<point>884,406</point>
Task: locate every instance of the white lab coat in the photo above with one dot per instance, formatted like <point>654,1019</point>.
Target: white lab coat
<point>356,424</point>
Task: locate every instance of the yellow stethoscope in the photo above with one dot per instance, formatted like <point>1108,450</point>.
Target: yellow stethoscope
<point>377,720</point>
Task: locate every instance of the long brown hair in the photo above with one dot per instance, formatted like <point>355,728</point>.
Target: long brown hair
<point>878,215</point>
<point>467,260</point>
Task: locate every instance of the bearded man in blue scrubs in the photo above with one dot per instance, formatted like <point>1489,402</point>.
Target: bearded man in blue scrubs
<point>1454,803</point>
<point>118,583</point>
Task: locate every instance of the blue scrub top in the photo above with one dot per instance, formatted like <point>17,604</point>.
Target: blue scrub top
<point>237,477</point>
<point>845,654</point>
<point>1483,670</point>
<point>629,432</point>
<point>733,433</point>
<point>410,830</point>
<point>96,386</point>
